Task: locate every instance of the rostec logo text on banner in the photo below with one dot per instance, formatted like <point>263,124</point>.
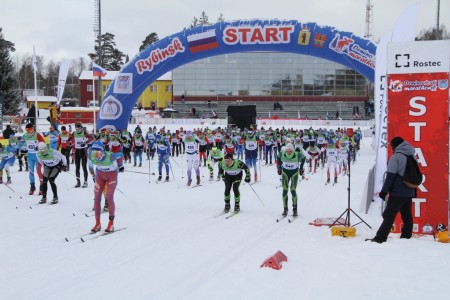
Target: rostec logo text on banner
<point>416,57</point>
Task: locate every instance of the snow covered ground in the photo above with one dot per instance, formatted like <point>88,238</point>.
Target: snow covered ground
<point>175,248</point>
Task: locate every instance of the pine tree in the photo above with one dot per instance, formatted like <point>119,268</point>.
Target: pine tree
<point>433,34</point>
<point>194,23</point>
<point>204,19</point>
<point>149,39</point>
<point>220,18</point>
<point>8,83</point>
<point>112,58</point>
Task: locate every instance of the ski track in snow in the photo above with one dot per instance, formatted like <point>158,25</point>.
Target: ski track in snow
<point>174,248</point>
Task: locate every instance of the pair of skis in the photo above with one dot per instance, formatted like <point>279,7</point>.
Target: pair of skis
<point>228,214</point>
<point>92,235</point>
<point>290,219</point>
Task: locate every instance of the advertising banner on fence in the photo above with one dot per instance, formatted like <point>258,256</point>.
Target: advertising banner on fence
<point>418,112</point>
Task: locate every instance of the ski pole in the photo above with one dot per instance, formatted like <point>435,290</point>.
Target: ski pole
<point>171,170</point>
<point>175,161</point>
<point>7,185</point>
<point>256,194</point>
<point>173,175</point>
<point>149,172</point>
<point>124,194</point>
<point>140,172</point>
<point>260,173</point>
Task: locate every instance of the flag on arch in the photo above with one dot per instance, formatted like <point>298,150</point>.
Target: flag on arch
<point>97,70</point>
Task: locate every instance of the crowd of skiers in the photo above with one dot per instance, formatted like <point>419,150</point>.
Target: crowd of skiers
<point>295,153</point>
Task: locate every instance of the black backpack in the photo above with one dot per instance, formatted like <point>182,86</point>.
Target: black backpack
<point>412,177</point>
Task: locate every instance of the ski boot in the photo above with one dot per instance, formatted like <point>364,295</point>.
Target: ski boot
<point>97,227</point>
<point>40,190</point>
<point>237,208</point>
<point>285,212</point>
<point>140,164</point>
<point>110,227</point>
<point>167,178</point>
<point>32,189</point>
<point>43,200</point>
<point>8,181</point>
<point>20,168</point>
<point>335,179</point>
<point>1,180</point>
<point>134,164</point>
<point>85,184</point>
<point>211,177</point>
<point>294,211</point>
<point>54,200</point>
<point>328,180</point>
<point>159,177</point>
<point>198,180</point>
<point>189,182</point>
<point>78,183</point>
<point>227,207</point>
<point>256,177</point>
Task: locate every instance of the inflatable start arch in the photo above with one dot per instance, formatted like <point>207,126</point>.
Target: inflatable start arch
<point>230,37</point>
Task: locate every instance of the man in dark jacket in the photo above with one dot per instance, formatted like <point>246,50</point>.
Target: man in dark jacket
<point>32,115</point>
<point>400,196</point>
<point>7,132</point>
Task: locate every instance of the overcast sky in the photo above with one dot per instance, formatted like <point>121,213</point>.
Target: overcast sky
<point>63,29</point>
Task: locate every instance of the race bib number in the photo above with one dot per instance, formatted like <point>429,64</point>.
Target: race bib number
<point>233,172</point>
<point>252,145</point>
<point>290,166</point>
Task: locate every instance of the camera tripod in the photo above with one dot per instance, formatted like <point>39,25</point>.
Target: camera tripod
<point>348,211</point>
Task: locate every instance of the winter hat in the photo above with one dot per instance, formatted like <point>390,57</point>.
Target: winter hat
<point>42,146</point>
<point>98,146</point>
<point>289,146</point>
<point>29,125</point>
<point>396,141</point>
<point>229,156</point>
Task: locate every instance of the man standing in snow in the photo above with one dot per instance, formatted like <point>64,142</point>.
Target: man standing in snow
<point>232,175</point>
<point>53,162</point>
<point>80,139</point>
<point>192,157</point>
<point>32,139</point>
<point>288,166</point>
<point>103,166</point>
<point>400,196</point>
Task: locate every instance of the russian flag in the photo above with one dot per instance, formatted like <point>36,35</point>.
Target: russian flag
<point>202,41</point>
<point>97,70</point>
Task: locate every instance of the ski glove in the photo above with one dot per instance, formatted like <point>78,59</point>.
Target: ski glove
<point>121,169</point>
<point>382,195</point>
<point>247,179</point>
